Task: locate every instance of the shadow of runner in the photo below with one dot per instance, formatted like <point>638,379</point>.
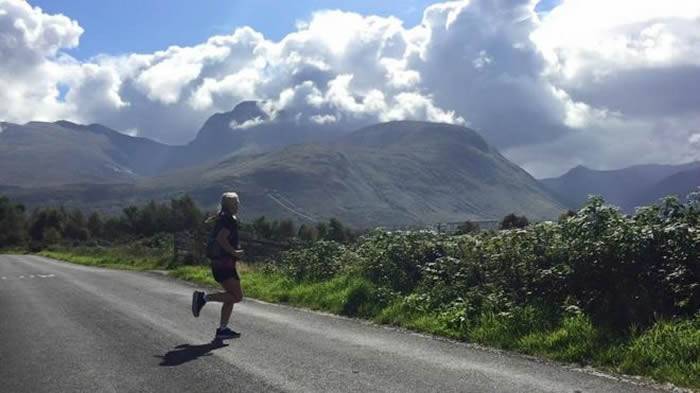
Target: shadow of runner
<point>184,353</point>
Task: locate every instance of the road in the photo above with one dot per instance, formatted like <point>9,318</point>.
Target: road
<point>70,328</point>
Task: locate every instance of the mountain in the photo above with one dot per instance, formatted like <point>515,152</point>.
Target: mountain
<point>627,188</point>
<point>49,154</point>
<point>247,129</point>
<point>395,173</point>
<point>680,184</point>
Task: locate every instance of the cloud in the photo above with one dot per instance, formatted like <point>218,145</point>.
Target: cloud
<point>629,74</point>
<point>31,63</point>
<point>588,82</point>
<point>256,121</point>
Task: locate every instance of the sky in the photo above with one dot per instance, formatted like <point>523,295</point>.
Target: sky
<point>147,26</point>
<point>553,84</point>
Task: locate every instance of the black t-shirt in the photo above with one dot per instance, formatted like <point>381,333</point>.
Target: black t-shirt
<point>231,223</point>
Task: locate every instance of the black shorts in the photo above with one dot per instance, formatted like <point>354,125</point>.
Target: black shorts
<point>224,268</point>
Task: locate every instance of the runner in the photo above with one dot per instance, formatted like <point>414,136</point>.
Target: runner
<point>224,250</point>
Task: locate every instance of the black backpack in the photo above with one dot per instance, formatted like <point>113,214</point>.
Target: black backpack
<point>214,249</point>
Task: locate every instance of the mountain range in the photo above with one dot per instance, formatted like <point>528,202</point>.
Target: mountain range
<point>627,188</point>
<point>390,174</point>
<point>397,173</point>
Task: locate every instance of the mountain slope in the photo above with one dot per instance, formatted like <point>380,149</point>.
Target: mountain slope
<point>247,129</point>
<point>628,187</point>
<point>144,156</point>
<point>679,184</point>
<point>394,173</point>
<point>46,154</point>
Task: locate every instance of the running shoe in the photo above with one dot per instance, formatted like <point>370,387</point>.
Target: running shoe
<point>197,302</point>
<point>222,334</point>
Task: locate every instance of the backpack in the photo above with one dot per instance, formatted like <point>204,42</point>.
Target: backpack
<point>214,249</point>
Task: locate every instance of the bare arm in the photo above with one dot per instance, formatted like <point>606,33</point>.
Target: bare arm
<point>222,239</point>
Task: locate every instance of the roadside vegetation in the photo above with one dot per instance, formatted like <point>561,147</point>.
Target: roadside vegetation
<point>620,292</point>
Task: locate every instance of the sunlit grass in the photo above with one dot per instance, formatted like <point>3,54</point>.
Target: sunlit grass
<point>110,258</point>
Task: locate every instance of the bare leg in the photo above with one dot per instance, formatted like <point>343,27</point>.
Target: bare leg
<point>221,297</point>
<point>233,294</point>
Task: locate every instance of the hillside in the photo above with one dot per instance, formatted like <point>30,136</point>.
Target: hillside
<point>247,129</point>
<point>628,187</point>
<point>51,154</point>
<point>680,184</point>
<point>390,174</point>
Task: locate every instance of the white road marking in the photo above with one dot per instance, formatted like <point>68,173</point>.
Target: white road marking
<point>29,276</point>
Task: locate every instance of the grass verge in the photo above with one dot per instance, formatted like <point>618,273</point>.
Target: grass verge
<point>118,258</point>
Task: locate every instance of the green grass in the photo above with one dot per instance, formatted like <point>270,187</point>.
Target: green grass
<point>115,258</point>
<point>670,351</point>
<point>667,352</point>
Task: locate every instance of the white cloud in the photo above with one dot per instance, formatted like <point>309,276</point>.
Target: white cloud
<point>482,60</point>
<point>132,132</point>
<point>590,82</point>
<point>325,119</point>
<point>256,121</point>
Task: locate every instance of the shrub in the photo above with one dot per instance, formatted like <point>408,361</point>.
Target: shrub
<point>513,221</point>
<point>395,260</point>
<point>319,261</point>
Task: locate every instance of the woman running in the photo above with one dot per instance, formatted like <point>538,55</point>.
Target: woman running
<point>223,266</point>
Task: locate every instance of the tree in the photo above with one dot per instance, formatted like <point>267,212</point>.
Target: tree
<point>467,227</point>
<point>185,214</point>
<point>262,228</point>
<point>75,227</point>
<point>513,221</point>
<point>567,214</point>
<point>322,229</point>
<point>12,223</point>
<point>95,225</point>
<point>337,231</point>
<point>51,236</point>
<point>308,233</point>
<point>286,229</point>
<point>47,223</point>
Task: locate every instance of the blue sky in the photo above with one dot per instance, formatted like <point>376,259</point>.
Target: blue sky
<point>143,26</point>
<point>126,26</point>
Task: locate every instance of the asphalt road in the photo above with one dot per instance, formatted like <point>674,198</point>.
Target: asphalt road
<point>69,328</point>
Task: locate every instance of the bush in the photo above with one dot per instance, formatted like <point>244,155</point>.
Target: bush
<point>467,227</point>
<point>320,261</point>
<point>513,221</point>
<point>395,260</point>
